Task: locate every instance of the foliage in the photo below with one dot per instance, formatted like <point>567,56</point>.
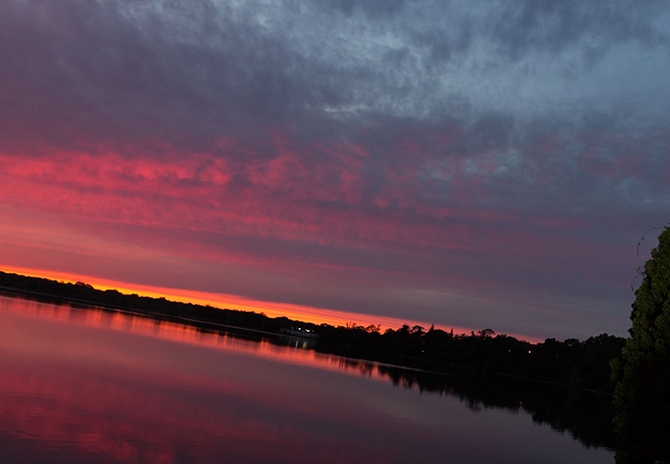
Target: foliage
<point>642,374</point>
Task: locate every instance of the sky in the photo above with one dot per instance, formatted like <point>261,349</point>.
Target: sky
<point>437,162</point>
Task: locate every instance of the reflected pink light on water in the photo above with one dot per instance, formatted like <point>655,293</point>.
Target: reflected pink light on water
<point>137,415</point>
<point>185,334</point>
<point>86,385</point>
<point>130,422</point>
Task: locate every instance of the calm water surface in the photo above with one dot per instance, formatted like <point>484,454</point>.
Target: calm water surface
<point>89,386</point>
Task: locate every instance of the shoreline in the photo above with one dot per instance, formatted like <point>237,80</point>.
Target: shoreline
<point>570,364</point>
<point>218,327</point>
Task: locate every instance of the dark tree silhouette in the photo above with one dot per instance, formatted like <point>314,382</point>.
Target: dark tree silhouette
<point>642,373</point>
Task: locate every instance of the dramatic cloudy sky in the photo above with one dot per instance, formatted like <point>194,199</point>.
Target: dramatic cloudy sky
<point>472,166</point>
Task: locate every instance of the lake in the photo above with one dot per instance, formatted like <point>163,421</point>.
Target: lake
<point>87,385</point>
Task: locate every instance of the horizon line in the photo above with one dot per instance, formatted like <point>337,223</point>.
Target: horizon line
<point>222,301</point>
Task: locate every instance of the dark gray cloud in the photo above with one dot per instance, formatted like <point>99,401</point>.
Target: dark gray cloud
<point>149,66</point>
<point>430,139</point>
<point>591,28</point>
<point>371,8</point>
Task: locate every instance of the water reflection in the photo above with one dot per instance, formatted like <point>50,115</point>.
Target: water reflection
<point>280,349</point>
<point>94,386</point>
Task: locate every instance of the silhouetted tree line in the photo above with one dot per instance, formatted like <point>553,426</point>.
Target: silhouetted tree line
<point>84,294</point>
<point>582,365</point>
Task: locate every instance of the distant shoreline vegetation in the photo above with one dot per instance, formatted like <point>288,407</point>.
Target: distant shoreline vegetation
<point>578,365</point>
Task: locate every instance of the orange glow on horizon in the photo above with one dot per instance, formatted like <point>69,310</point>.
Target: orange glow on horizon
<point>226,301</point>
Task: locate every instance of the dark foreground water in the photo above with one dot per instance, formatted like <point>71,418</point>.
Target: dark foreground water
<point>89,386</point>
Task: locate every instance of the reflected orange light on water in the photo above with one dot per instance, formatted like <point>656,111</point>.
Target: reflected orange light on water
<point>90,385</point>
<point>226,301</point>
<point>185,334</point>
<point>132,418</point>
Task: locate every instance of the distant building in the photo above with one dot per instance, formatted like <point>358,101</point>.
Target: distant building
<point>300,332</point>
